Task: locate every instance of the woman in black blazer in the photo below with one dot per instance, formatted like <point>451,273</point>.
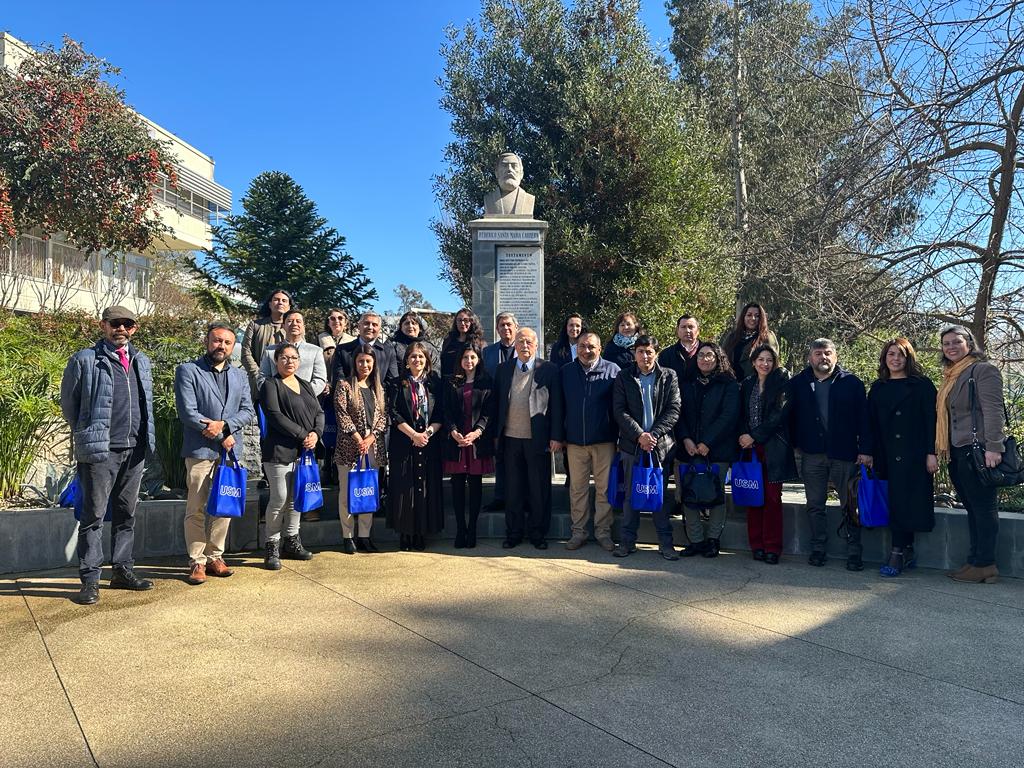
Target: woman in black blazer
<point>415,501</point>
<point>468,408</point>
<point>562,351</point>
<point>764,417</point>
<point>707,431</point>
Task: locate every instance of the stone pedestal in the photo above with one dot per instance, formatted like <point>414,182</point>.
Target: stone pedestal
<point>508,271</point>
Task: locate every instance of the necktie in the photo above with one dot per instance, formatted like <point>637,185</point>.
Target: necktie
<point>526,368</point>
<point>122,353</point>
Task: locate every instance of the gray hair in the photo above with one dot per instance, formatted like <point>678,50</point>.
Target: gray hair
<point>370,314</point>
<point>822,343</point>
<point>502,315</point>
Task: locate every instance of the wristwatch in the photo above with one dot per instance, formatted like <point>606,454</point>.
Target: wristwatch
<point>430,432</point>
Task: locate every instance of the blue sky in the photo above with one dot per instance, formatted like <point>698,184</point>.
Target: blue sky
<point>341,95</point>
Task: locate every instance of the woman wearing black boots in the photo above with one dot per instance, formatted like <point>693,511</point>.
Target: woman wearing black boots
<point>467,408</point>
<point>415,500</point>
<point>707,431</point>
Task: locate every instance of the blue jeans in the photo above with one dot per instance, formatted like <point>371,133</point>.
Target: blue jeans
<point>631,519</point>
<point>117,479</point>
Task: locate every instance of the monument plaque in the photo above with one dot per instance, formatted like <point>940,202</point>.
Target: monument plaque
<point>508,253</point>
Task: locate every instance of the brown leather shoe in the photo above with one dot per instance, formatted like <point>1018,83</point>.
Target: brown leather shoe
<point>218,567</point>
<point>974,575</point>
<point>197,575</point>
<point>959,570</point>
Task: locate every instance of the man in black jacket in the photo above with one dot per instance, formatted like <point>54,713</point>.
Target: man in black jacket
<point>388,366</point>
<point>829,427</point>
<point>589,430</point>
<point>529,408</point>
<point>646,405</point>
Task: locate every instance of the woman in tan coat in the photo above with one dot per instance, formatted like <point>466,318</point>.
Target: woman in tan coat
<point>361,413</point>
<point>965,369</point>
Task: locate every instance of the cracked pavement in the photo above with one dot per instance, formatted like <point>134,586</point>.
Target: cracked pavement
<point>524,658</point>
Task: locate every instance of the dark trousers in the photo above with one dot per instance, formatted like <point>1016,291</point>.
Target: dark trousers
<point>499,480</point>
<point>459,482</point>
<point>115,480</point>
<point>980,502</point>
<point>631,518</point>
<point>528,475</point>
<point>817,470</point>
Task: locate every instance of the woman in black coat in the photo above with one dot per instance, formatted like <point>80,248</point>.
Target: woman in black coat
<point>415,500</point>
<point>411,327</point>
<point>765,432</point>
<point>466,332</point>
<point>901,405</point>
<point>619,348</point>
<point>707,431</point>
<point>468,454</point>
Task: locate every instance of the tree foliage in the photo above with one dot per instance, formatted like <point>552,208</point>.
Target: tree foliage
<point>610,147</point>
<point>281,241</point>
<point>811,165</point>
<point>73,157</point>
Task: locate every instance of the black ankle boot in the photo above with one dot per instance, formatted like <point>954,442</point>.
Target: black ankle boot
<point>710,548</point>
<point>471,533</point>
<point>405,543</point>
<point>419,543</point>
<point>272,560</point>
<point>292,549</point>
<point>694,549</point>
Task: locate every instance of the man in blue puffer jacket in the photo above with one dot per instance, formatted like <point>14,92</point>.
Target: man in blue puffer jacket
<point>107,399</point>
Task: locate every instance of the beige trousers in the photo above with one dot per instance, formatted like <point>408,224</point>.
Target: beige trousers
<point>205,536</point>
<point>584,461</point>
<point>349,522</point>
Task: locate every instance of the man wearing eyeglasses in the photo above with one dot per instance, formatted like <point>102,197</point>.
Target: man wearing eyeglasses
<point>106,395</point>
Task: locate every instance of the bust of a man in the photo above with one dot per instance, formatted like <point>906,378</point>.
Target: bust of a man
<point>509,199</point>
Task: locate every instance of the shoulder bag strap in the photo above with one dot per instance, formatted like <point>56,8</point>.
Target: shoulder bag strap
<point>974,413</point>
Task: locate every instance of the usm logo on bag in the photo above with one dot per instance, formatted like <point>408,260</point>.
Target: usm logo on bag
<point>646,490</point>
<point>313,487</point>
<point>230,490</point>
<point>742,482</point>
<point>363,492</point>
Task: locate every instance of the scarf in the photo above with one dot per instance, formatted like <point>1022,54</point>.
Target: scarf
<point>949,377</point>
<point>420,403</point>
<point>626,342</point>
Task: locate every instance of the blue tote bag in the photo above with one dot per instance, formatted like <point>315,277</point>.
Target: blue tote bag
<point>363,488</point>
<point>616,491</point>
<point>748,483</point>
<point>872,499</point>
<point>72,497</point>
<point>308,494</point>
<point>647,486</point>
<point>227,489</point>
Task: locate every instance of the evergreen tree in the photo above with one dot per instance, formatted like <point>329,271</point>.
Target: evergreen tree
<point>281,241</point>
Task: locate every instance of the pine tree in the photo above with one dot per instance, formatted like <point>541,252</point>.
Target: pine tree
<point>281,241</point>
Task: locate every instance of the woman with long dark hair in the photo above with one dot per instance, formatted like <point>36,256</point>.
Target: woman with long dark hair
<point>619,349</point>
<point>901,407</point>
<point>764,416</point>
<point>466,331</point>
<point>415,501</point>
<point>749,333</point>
<point>265,329</point>
<point>361,414</point>
<point>563,351</point>
<point>707,429</point>
<point>468,409</point>
<point>970,407</point>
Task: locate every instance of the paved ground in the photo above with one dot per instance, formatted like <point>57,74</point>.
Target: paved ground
<point>522,659</point>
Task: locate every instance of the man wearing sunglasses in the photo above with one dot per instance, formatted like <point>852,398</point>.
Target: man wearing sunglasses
<point>107,399</point>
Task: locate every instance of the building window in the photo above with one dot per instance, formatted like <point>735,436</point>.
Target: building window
<point>30,257</point>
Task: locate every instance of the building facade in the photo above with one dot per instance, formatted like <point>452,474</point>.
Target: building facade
<point>39,274</point>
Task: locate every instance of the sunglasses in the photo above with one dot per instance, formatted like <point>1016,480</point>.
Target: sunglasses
<point>127,324</point>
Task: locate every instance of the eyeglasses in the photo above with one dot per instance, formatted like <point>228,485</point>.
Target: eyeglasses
<point>126,324</point>
<point>289,358</point>
<point>708,356</point>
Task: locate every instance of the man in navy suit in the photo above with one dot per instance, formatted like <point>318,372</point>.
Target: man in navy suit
<point>214,404</point>
<point>529,408</point>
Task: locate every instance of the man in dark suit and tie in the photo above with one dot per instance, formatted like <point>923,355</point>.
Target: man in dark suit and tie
<point>494,355</point>
<point>529,406</point>
<point>388,365</point>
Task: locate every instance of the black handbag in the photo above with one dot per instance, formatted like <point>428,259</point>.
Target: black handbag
<point>1009,472</point>
<point>702,486</point>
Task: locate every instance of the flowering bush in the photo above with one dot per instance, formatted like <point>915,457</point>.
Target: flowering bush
<point>73,157</point>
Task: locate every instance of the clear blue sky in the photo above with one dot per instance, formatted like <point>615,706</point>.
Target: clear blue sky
<point>341,95</point>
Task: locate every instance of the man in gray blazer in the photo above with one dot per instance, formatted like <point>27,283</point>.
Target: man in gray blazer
<point>214,404</point>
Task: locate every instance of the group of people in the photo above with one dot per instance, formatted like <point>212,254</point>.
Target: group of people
<point>418,413</point>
